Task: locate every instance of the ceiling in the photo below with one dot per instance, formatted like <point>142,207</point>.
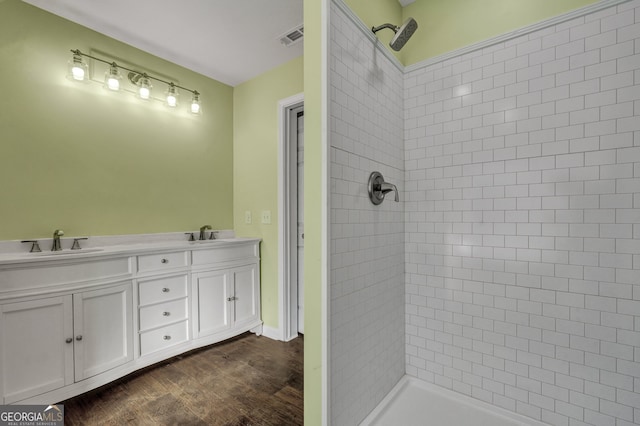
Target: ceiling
<point>231,41</point>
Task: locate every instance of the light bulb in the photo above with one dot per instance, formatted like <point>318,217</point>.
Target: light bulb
<point>113,83</point>
<point>78,69</point>
<point>78,73</point>
<point>195,103</point>
<point>172,95</point>
<point>112,78</point>
<point>145,88</point>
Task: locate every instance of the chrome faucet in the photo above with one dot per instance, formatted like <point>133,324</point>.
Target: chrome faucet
<point>202,232</point>
<point>378,188</point>
<point>388,187</point>
<point>56,240</point>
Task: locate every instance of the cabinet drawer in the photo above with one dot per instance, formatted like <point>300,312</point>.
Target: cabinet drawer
<point>164,313</point>
<point>151,341</point>
<point>163,261</point>
<point>225,254</point>
<point>161,289</point>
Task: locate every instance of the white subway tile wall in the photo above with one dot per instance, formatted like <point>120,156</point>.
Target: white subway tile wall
<point>522,221</point>
<point>367,242</point>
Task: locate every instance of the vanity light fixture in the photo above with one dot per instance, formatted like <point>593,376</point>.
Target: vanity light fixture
<point>195,103</point>
<point>144,86</point>
<point>79,71</point>
<point>113,77</point>
<point>172,96</point>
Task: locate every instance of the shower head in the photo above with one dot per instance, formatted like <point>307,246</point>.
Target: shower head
<point>403,33</point>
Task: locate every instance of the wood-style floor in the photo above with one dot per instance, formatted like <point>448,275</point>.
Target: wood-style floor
<point>247,380</point>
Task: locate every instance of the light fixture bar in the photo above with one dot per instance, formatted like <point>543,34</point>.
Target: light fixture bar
<point>196,95</point>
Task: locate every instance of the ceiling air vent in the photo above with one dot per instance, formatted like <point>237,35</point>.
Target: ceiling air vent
<point>292,36</point>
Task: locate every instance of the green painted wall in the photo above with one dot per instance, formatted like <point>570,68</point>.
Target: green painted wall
<point>255,165</point>
<point>377,12</point>
<point>76,157</point>
<point>314,130</point>
<point>446,25</point>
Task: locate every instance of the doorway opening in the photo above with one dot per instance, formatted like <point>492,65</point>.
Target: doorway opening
<point>291,217</point>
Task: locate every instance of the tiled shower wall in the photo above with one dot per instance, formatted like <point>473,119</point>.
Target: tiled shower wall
<point>522,170</point>
<point>367,241</point>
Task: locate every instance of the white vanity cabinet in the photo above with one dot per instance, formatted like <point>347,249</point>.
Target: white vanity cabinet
<point>53,342</point>
<point>226,293</point>
<point>226,299</point>
<point>73,322</point>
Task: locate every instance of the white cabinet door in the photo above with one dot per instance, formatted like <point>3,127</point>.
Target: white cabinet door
<point>103,329</point>
<point>245,295</point>
<point>211,305</point>
<point>36,350</point>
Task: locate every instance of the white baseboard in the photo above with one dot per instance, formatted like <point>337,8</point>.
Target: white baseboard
<point>271,332</point>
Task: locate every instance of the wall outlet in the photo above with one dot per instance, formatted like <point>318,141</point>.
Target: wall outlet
<point>247,216</point>
<point>266,216</point>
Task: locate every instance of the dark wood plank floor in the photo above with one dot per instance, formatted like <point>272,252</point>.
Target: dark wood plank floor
<point>247,380</point>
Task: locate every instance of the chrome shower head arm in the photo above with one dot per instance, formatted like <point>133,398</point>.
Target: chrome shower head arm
<point>383,26</point>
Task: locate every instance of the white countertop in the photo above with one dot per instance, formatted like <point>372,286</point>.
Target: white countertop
<point>15,252</point>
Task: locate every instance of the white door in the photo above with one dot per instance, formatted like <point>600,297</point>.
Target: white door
<point>211,305</point>
<point>103,329</point>
<point>36,354</point>
<point>300,209</point>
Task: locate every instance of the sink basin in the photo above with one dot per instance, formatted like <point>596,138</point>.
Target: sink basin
<point>65,252</point>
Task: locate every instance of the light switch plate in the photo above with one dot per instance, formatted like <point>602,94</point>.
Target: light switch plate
<point>247,216</point>
<point>266,216</point>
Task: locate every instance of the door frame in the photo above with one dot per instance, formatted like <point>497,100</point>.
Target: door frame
<point>287,229</point>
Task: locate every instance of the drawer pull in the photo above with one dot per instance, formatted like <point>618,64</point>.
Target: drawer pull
<point>166,314</point>
<point>79,337</point>
<point>165,290</point>
<point>164,260</point>
<point>69,340</point>
<point>167,337</point>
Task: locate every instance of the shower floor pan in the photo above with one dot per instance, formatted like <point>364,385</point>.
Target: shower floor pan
<point>413,402</point>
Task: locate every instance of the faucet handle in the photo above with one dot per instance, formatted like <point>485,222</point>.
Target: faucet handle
<point>76,243</point>
<point>35,247</point>
<point>191,237</point>
<point>212,235</point>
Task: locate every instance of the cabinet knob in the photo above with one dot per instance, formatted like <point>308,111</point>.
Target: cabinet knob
<point>166,314</point>
<point>69,340</point>
<point>167,337</point>
<point>164,260</point>
<point>165,290</point>
<point>79,337</point>
<point>230,299</point>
